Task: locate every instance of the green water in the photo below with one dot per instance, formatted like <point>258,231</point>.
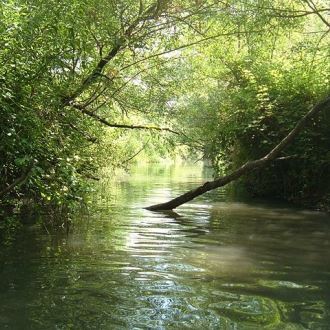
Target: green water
<point>216,264</point>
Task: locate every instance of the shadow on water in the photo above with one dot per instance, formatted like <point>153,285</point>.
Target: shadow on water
<point>214,263</point>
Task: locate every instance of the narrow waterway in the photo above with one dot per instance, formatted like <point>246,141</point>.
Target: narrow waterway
<point>215,264</point>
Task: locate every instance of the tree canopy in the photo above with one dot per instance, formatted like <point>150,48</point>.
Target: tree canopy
<point>87,83</point>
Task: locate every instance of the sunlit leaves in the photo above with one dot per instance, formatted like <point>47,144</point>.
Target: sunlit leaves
<point>231,75</point>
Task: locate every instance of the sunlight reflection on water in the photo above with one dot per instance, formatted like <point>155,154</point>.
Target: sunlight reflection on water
<point>213,264</point>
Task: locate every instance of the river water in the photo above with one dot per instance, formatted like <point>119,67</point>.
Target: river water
<point>215,264</point>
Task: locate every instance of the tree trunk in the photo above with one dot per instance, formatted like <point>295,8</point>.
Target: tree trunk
<point>248,166</point>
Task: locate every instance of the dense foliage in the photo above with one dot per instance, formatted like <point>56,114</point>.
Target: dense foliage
<point>52,84</point>
<point>255,89</point>
<point>86,84</point>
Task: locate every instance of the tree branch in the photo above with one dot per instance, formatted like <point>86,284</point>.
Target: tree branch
<point>136,153</point>
<point>312,6</point>
<point>150,13</point>
<point>248,166</point>
<point>125,126</point>
<point>188,45</point>
<point>19,181</point>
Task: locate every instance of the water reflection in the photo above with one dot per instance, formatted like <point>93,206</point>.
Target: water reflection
<point>214,264</point>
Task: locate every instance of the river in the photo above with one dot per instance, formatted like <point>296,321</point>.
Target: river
<point>214,264</point>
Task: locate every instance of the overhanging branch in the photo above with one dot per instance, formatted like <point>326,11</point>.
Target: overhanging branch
<point>150,13</point>
<point>124,126</point>
<point>248,166</point>
<point>226,34</point>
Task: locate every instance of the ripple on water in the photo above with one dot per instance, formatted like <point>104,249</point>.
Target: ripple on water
<point>215,265</point>
<point>251,309</point>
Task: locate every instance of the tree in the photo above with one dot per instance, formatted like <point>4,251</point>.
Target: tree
<point>251,94</point>
<point>247,167</point>
<point>72,63</point>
